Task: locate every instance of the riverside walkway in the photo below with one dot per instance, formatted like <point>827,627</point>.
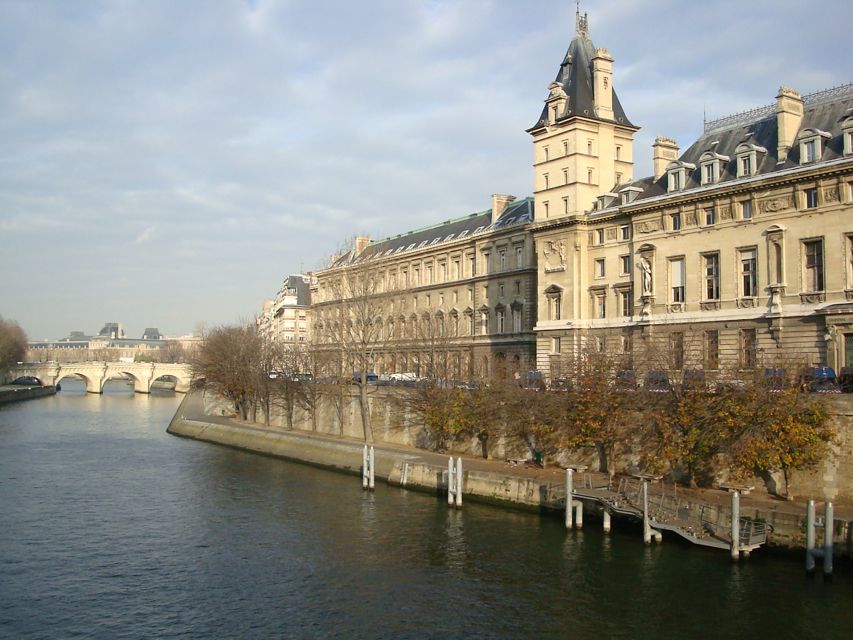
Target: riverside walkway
<point>699,516</point>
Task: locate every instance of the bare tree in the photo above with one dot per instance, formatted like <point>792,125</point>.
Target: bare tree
<point>350,328</point>
<point>13,344</point>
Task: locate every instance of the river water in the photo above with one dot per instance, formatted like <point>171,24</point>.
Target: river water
<point>111,528</point>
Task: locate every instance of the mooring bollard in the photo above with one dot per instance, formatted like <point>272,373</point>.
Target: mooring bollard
<point>372,477</point>
<point>451,484</point>
<point>735,526</point>
<point>647,529</point>
<point>459,482</point>
<point>605,520</point>
<point>574,508</point>
<point>826,551</point>
<point>364,471</point>
<point>404,474</point>
<point>828,530</point>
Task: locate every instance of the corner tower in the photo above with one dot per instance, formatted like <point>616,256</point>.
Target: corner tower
<point>583,141</point>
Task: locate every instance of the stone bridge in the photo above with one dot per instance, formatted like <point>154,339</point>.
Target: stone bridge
<point>95,374</point>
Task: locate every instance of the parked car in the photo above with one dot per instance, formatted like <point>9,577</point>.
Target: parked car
<point>534,380</point>
<point>657,381</point>
<point>775,379</point>
<point>626,380</point>
<point>820,379</point>
<point>693,380</point>
<point>371,377</point>
<point>845,379</point>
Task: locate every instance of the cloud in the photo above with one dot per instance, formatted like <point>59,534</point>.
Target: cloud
<point>201,151</point>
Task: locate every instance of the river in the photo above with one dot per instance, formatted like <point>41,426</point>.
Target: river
<point>111,528</point>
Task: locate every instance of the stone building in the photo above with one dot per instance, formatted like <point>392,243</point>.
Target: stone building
<point>455,300</point>
<point>286,318</point>
<point>735,254</point>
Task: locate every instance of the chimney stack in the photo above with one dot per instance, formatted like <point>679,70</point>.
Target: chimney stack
<point>499,205</point>
<point>789,115</point>
<point>361,243</point>
<point>665,150</point>
<point>602,79</point>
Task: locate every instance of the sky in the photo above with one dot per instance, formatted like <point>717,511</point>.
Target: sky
<point>166,164</point>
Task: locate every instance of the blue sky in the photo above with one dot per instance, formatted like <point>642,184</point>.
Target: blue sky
<point>167,163</point>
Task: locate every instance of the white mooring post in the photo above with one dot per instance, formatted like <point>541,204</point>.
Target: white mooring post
<point>647,529</point>
<point>605,520</point>
<point>372,477</point>
<point>735,526</point>
<point>569,499</point>
<point>810,538</point>
<point>828,529</point>
<point>459,482</point>
<point>451,484</point>
<point>364,471</point>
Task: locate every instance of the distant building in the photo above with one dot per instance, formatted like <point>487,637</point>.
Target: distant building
<point>287,317</point>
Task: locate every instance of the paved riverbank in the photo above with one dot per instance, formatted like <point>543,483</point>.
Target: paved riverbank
<point>494,481</point>
<point>17,393</point>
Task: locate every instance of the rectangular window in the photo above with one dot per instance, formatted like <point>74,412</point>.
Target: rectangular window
<point>599,236</point>
<point>710,215</point>
<point>470,324</point>
<point>516,320</point>
<point>565,147</point>
<point>485,262</point>
<point>746,165</point>
<point>676,350</point>
<point>500,320</point>
<point>709,173</point>
<point>712,349</point>
<point>599,267</point>
<point>810,198</point>
<point>625,232</point>
<point>675,221</point>
<point>676,279</point>
<point>675,180</point>
<point>442,269</point>
<point>813,265</point>
<point>518,287</point>
<point>600,305</point>
<point>748,274</point>
<point>457,269</point>
<point>565,176</point>
<point>472,265</point>
<point>624,265</point>
<point>748,344</point>
<point>502,259</point>
<point>546,179</point>
<point>519,257</point>
<point>712,276</point>
<point>810,150</point>
<point>554,304</point>
<point>555,345</point>
<point>545,153</point>
<point>618,152</point>
<point>746,210</point>
<point>626,303</point>
<point>501,290</point>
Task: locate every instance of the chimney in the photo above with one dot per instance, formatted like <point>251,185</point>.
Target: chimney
<point>665,150</point>
<point>499,205</point>
<point>602,80</point>
<point>361,243</point>
<point>789,115</point>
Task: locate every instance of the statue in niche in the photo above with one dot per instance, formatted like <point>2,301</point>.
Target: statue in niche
<point>646,268</point>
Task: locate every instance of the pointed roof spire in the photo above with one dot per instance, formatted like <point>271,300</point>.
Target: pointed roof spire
<point>581,22</point>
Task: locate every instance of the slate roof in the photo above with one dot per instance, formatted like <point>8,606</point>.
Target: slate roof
<point>301,285</point>
<point>823,110</point>
<point>575,76</point>
<point>518,212</point>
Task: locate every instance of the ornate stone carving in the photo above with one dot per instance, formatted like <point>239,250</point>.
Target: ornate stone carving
<point>554,255</point>
<point>812,297</point>
<point>830,194</point>
<point>675,307</point>
<point>710,305</point>
<point>690,220</point>
<point>725,212</point>
<point>611,233</point>
<point>649,226</point>
<point>746,303</point>
<point>848,293</point>
<point>772,205</point>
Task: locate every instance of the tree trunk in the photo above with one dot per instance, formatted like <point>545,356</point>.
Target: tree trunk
<point>602,457</point>
<point>365,409</point>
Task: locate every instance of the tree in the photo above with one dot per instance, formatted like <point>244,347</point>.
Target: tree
<point>13,344</point>
<point>232,361</point>
<point>351,327</point>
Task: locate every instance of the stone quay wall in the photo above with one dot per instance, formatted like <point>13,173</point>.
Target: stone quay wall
<point>13,393</point>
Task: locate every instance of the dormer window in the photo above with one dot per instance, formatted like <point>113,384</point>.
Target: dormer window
<point>629,194</point>
<point>811,145</point>
<point>747,159</point>
<point>712,165</point>
<point>677,174</point>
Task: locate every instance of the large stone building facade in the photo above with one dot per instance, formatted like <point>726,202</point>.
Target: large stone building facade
<point>736,254</point>
<point>455,301</point>
<point>287,317</point>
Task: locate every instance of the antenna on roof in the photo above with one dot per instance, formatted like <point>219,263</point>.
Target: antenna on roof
<point>704,116</point>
